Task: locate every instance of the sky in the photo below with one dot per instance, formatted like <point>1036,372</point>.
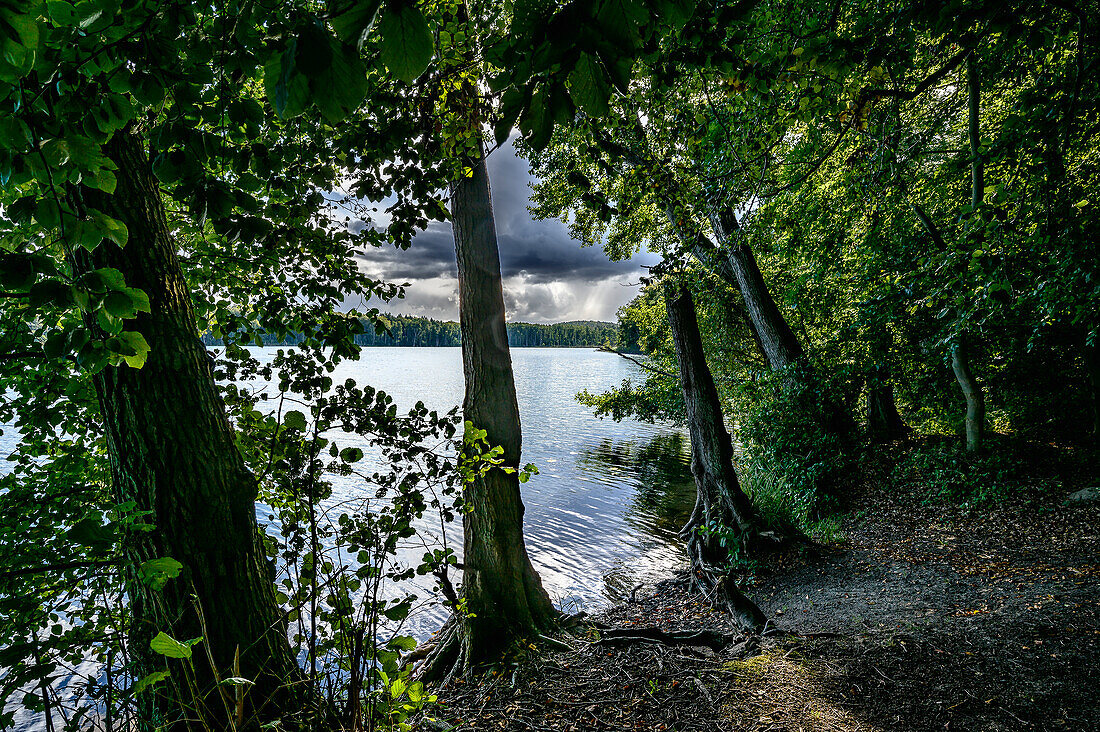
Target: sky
<point>548,277</point>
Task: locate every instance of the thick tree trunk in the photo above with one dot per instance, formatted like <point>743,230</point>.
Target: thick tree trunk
<point>776,337</point>
<point>499,584</point>
<point>172,452</point>
<point>721,507</point>
<point>883,420</point>
<point>972,392</point>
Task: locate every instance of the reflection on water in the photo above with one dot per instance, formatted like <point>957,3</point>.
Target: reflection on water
<point>603,513</point>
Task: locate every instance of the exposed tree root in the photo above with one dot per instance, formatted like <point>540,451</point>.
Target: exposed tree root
<point>623,636</point>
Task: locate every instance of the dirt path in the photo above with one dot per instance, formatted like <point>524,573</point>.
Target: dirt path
<point>925,618</point>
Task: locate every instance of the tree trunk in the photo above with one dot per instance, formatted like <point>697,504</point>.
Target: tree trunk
<point>499,584</point>
<point>172,452</point>
<point>1092,365</point>
<point>776,337</point>
<point>960,352</point>
<point>972,391</point>
<point>723,518</point>
<point>883,421</point>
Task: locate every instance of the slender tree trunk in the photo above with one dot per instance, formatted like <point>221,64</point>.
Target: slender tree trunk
<point>720,504</point>
<point>960,351</point>
<point>500,586</point>
<point>1092,365</point>
<point>972,391</point>
<point>172,452</point>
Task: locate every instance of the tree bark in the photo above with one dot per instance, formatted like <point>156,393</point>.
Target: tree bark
<point>172,452</point>
<point>883,420</point>
<point>500,585</point>
<point>720,504</point>
<point>960,352</point>
<point>778,341</point>
<point>972,392</point>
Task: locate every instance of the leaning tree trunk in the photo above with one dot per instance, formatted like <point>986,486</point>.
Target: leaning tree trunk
<point>172,453</point>
<point>972,392</point>
<point>500,586</point>
<point>724,517</point>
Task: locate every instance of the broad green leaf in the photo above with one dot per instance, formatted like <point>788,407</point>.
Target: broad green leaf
<point>589,87</point>
<point>166,645</point>
<point>140,347</point>
<point>150,680</point>
<point>352,19</point>
<point>157,572</point>
<point>406,42</point>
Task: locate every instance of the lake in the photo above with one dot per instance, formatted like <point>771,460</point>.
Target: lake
<point>603,512</point>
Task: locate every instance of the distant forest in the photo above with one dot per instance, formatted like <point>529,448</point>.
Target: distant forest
<point>404,330</point>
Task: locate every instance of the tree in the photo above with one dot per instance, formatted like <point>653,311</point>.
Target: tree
<point>504,600</point>
<point>723,522</point>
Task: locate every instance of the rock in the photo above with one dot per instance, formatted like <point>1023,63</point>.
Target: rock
<point>1084,495</point>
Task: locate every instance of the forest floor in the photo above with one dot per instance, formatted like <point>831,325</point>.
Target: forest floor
<point>926,616</point>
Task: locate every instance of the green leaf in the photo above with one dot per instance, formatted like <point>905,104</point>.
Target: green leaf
<point>295,420</point>
<point>351,454</point>
<point>314,50</point>
<point>90,532</point>
<point>352,20</point>
<point>402,643</point>
<point>340,89</point>
<point>406,42</point>
<point>157,572</point>
<point>589,87</point>
<point>135,342</point>
<point>166,645</point>
<point>104,279</point>
<point>119,304</point>
<point>153,678</point>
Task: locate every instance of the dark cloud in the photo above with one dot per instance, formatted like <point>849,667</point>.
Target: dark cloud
<point>548,276</point>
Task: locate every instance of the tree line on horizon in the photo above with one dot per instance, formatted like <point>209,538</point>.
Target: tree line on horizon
<point>415,331</point>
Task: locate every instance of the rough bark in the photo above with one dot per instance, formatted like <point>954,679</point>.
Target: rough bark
<point>972,392</point>
<point>172,452</point>
<point>720,504</point>
<point>499,584</point>
<point>779,342</point>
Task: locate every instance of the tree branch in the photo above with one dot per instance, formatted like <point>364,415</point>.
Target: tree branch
<point>647,367</point>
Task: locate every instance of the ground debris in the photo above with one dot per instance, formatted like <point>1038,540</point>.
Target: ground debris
<point>926,617</point>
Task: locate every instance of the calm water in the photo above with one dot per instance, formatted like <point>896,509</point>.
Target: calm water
<point>603,512</point>
<point>601,516</point>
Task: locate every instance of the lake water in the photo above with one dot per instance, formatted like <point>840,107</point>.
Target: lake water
<point>603,512</point>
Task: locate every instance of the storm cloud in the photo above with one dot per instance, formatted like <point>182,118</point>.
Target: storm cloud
<point>548,276</point>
